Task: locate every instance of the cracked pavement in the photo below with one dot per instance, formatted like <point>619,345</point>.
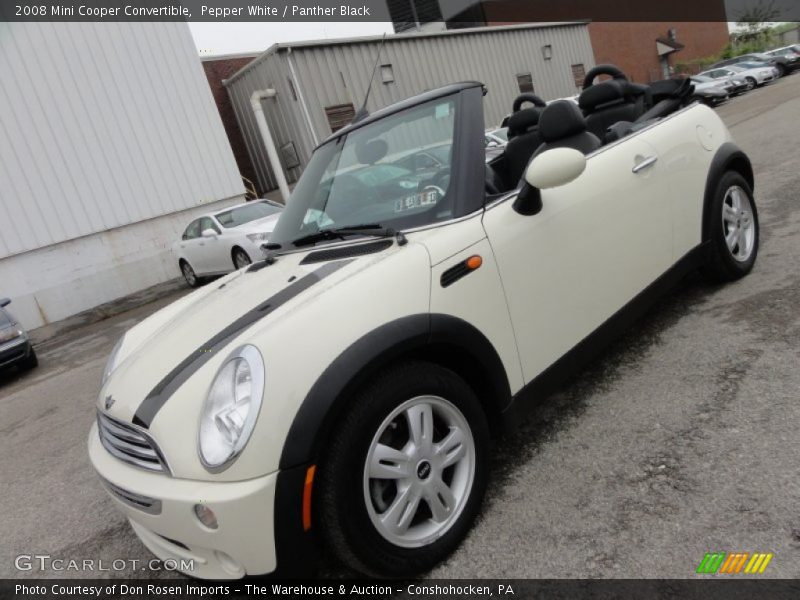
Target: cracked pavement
<point>680,439</point>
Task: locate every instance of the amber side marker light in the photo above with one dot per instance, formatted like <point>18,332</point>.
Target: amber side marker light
<point>473,262</point>
<point>307,497</point>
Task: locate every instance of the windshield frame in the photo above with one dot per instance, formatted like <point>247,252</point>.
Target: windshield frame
<point>466,187</point>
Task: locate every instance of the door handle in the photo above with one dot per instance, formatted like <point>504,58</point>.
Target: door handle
<point>644,163</point>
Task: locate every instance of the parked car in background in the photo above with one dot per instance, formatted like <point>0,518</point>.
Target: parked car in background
<point>782,64</point>
<point>790,52</point>
<point>710,91</point>
<point>15,346</point>
<point>753,74</point>
<point>732,81</point>
<point>498,136</point>
<point>226,240</point>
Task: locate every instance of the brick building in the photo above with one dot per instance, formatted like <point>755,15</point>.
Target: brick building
<point>217,69</point>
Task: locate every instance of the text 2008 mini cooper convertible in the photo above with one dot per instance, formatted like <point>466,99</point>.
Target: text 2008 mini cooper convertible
<point>345,389</point>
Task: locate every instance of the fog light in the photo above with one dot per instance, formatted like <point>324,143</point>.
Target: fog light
<point>206,516</point>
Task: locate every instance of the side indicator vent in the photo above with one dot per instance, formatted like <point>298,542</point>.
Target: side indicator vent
<point>457,271</point>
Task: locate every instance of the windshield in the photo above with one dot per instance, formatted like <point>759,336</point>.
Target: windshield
<point>701,78</point>
<point>752,65</point>
<point>394,172</point>
<point>246,213</point>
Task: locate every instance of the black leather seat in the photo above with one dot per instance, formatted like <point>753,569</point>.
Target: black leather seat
<point>608,102</point>
<point>523,136</point>
<point>562,125</point>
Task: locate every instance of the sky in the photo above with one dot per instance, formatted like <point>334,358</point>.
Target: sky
<point>233,38</point>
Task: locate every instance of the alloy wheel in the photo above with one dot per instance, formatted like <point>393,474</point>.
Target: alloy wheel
<point>738,225</point>
<point>419,471</point>
<point>241,259</point>
<point>188,274</point>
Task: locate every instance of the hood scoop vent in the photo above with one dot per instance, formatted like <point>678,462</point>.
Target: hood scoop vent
<point>346,252</point>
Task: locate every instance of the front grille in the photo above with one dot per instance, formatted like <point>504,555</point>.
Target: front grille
<point>144,503</point>
<point>130,444</point>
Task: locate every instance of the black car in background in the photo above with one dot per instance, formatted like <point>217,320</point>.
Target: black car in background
<point>784,63</point>
<point>15,347</point>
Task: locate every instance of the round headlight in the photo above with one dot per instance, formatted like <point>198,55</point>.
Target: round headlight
<point>113,360</point>
<point>231,408</point>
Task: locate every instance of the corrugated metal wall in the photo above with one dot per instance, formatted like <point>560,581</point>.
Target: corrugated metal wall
<point>103,125</point>
<point>339,72</point>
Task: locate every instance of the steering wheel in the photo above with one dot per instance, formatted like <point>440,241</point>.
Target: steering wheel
<point>611,70</point>
<point>523,98</point>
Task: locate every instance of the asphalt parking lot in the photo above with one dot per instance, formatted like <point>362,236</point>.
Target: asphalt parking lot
<point>680,440</point>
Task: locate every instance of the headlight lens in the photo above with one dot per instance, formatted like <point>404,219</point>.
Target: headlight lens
<point>113,360</point>
<point>257,237</point>
<point>231,408</point>
<point>10,333</point>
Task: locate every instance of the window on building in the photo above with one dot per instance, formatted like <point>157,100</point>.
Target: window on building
<point>578,74</point>
<point>408,15</point>
<point>387,74</point>
<point>339,116</point>
<point>525,83</point>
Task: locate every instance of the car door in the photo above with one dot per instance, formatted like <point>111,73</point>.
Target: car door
<point>216,254</point>
<point>597,242</point>
<point>191,247</point>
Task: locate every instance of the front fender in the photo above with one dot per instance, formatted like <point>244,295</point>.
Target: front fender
<point>413,335</point>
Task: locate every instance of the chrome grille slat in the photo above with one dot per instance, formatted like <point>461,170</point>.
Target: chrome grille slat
<point>129,444</point>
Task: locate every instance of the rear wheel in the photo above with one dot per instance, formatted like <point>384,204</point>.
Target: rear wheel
<point>406,471</point>
<point>240,258</point>
<point>732,229</point>
<point>189,275</point>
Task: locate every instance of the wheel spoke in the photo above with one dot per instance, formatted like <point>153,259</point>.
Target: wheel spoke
<point>742,243</point>
<point>400,514</point>
<point>732,238</point>
<point>736,199</point>
<point>451,449</point>
<point>420,425</point>
<point>440,500</point>
<point>389,463</point>
<point>729,213</point>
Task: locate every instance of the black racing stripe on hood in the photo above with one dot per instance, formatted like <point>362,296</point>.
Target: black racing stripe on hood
<point>174,379</point>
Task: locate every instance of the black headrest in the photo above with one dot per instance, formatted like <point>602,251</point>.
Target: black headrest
<point>523,120</point>
<point>604,92</point>
<point>561,119</point>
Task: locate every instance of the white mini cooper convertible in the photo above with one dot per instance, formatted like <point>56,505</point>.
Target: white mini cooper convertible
<point>344,389</point>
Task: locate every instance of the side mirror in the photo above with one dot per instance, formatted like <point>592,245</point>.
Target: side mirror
<point>209,233</point>
<point>555,167</point>
<point>4,302</point>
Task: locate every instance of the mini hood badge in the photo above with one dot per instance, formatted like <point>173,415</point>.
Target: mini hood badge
<point>109,402</point>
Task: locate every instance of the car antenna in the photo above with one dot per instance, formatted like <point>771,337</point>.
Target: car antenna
<point>362,112</point>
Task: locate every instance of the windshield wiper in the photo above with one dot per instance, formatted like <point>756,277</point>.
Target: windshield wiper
<point>375,229</point>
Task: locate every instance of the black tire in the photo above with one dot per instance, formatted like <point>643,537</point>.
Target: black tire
<point>721,264</point>
<point>30,362</point>
<point>189,275</point>
<point>240,255</point>
<point>751,83</point>
<point>340,497</point>
<point>781,70</point>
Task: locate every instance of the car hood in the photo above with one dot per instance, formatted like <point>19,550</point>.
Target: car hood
<point>259,225</point>
<point>166,349</point>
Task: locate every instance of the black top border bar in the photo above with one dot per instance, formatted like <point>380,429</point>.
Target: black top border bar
<point>458,13</point>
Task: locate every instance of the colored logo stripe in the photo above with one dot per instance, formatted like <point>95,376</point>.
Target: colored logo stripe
<point>733,562</point>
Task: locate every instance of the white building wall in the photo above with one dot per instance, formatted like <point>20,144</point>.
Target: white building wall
<point>110,133</point>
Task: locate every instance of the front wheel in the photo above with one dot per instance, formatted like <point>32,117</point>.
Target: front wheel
<point>750,82</point>
<point>29,362</point>
<point>732,229</point>
<point>406,471</point>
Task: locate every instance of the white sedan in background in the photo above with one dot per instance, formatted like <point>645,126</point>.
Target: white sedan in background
<point>754,74</point>
<point>226,240</point>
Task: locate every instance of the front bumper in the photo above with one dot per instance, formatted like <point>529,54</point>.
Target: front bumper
<point>161,511</point>
<point>14,351</point>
